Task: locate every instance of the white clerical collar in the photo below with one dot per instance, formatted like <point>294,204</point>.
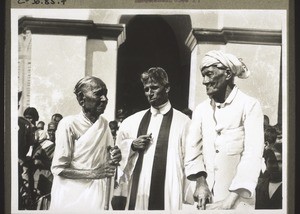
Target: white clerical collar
<point>229,98</point>
<point>163,109</point>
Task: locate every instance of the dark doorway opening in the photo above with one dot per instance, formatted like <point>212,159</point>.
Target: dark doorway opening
<point>153,40</point>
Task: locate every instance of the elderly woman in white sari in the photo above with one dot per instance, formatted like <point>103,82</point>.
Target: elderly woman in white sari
<point>80,163</point>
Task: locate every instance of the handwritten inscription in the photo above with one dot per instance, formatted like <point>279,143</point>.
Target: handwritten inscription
<point>43,2</point>
<point>167,1</point>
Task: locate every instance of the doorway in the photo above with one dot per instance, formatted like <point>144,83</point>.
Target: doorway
<point>153,41</point>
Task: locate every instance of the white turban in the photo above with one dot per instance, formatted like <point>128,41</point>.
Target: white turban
<point>237,67</point>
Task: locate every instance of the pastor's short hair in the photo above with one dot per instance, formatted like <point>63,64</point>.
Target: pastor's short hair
<point>156,74</point>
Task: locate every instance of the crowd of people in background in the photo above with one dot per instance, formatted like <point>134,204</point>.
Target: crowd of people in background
<point>36,145</point>
<point>269,186</point>
<point>35,153</point>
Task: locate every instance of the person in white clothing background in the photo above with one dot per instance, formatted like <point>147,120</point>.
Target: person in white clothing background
<point>227,136</point>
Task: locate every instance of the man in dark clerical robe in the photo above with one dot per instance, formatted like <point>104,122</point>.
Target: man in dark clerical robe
<point>152,142</point>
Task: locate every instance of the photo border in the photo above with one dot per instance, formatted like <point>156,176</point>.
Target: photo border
<point>202,4</point>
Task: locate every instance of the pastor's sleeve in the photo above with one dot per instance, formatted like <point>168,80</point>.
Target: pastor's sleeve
<point>250,164</point>
<point>124,140</point>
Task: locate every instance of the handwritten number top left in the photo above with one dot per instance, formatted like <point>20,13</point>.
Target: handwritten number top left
<point>22,1</point>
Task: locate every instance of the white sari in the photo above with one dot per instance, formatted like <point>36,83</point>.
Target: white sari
<point>80,144</point>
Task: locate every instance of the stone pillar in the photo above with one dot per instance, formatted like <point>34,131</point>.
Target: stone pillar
<point>24,68</point>
<point>197,92</point>
<point>101,61</point>
<point>193,77</point>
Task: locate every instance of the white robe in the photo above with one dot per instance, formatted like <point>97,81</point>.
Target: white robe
<point>80,144</point>
<point>175,180</point>
<point>227,142</point>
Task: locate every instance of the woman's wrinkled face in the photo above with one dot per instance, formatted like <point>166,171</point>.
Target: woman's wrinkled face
<point>95,98</point>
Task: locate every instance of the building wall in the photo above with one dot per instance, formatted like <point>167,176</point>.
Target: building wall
<point>102,63</point>
<point>55,71</point>
<point>58,62</point>
<point>262,60</point>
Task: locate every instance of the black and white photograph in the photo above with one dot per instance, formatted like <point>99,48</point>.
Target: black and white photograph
<point>171,110</point>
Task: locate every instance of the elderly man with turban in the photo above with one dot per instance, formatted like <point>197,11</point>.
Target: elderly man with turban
<point>225,138</point>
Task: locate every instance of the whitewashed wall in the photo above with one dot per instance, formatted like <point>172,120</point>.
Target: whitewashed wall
<point>58,62</point>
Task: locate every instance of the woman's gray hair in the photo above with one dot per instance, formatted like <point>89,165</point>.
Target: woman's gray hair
<point>82,83</point>
<point>85,83</point>
<point>156,74</point>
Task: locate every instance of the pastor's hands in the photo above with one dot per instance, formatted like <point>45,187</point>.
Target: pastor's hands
<point>141,143</point>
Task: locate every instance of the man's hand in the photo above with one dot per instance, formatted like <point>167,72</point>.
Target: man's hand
<point>226,204</point>
<point>115,155</point>
<point>202,194</point>
<point>106,170</point>
<point>141,143</point>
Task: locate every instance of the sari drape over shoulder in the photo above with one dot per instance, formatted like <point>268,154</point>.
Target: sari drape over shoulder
<point>80,144</point>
